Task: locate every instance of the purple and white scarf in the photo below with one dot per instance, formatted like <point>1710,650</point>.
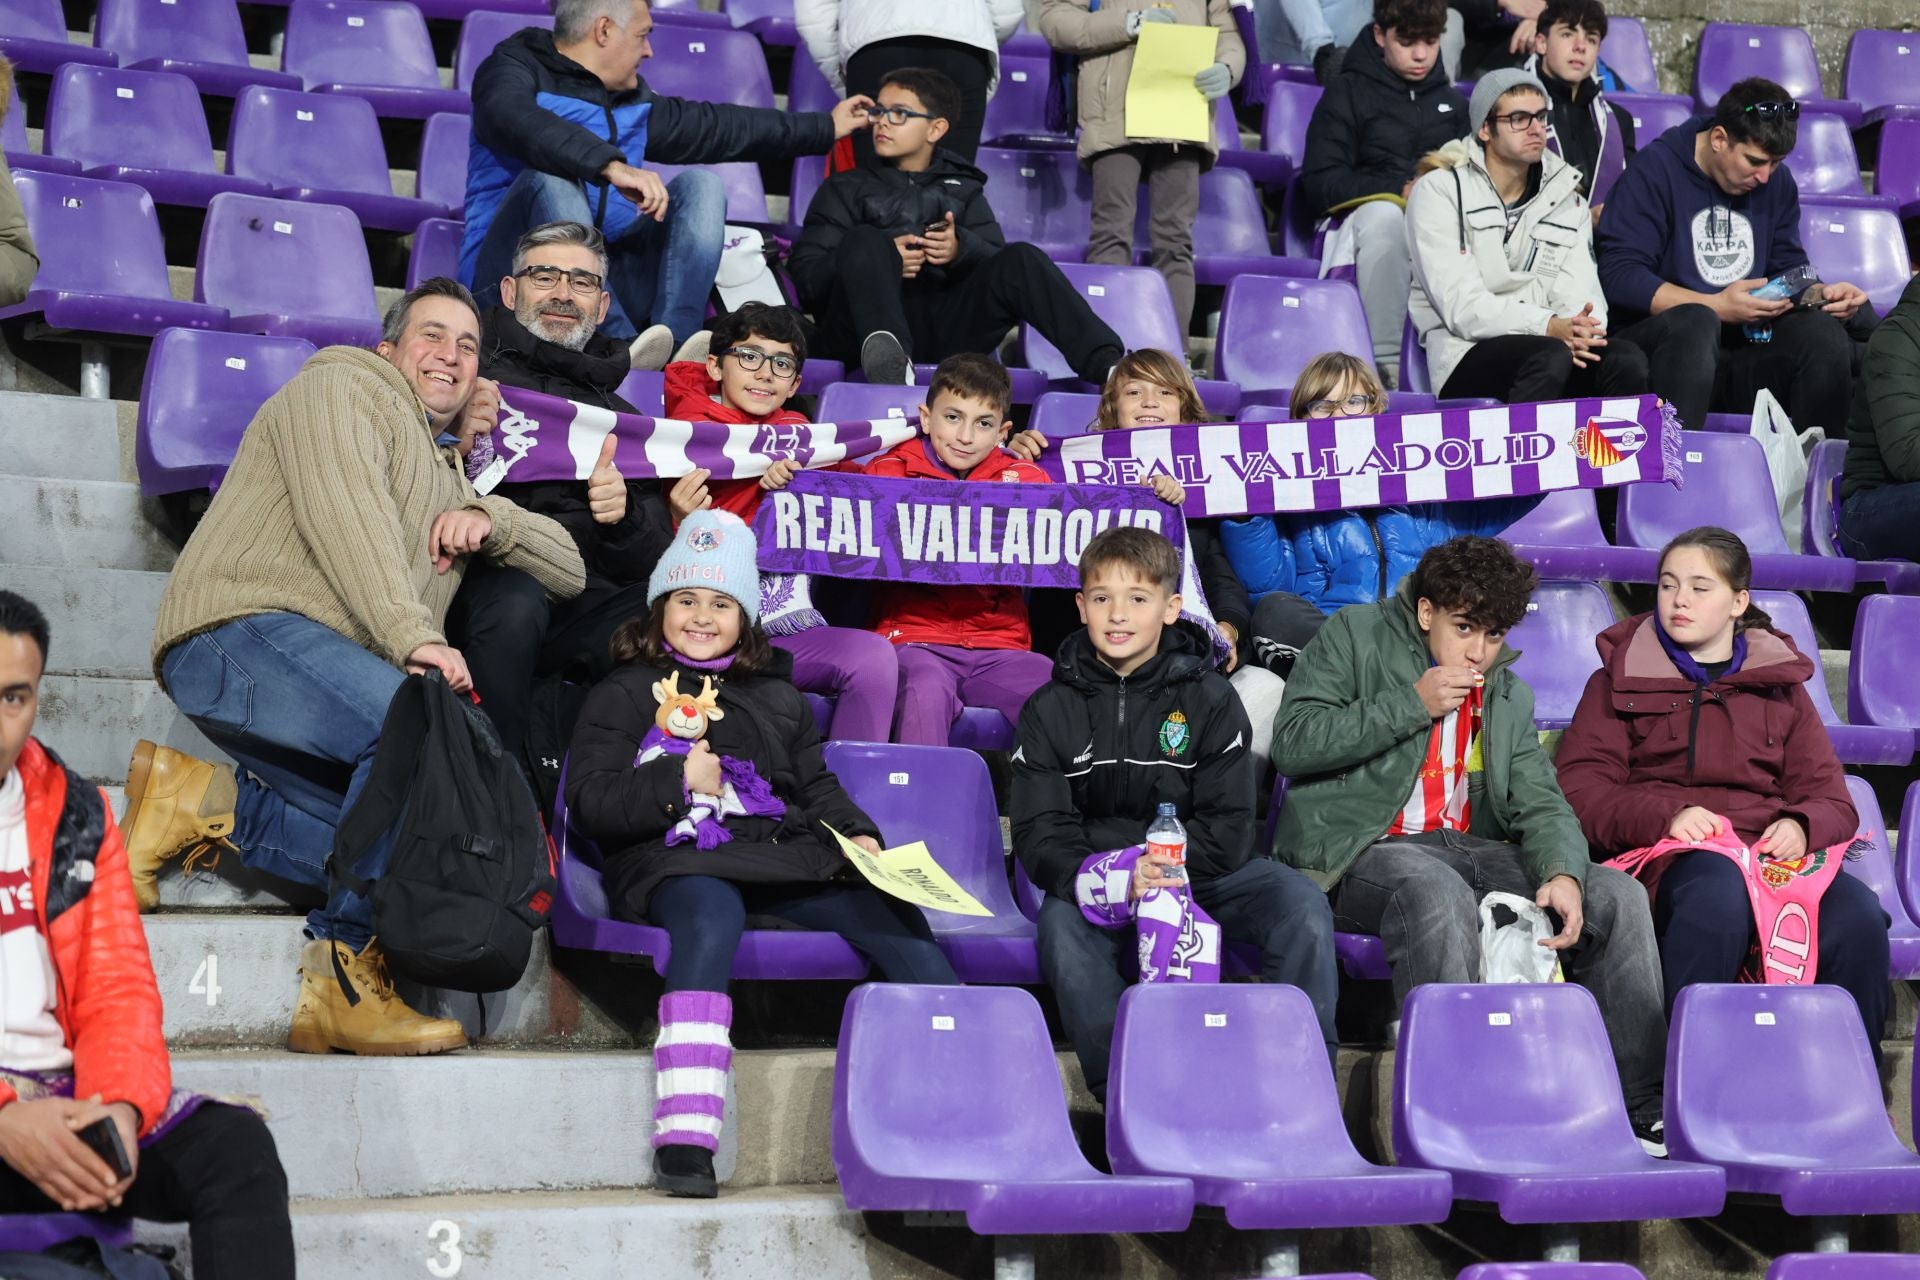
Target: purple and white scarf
<point>1178,941</point>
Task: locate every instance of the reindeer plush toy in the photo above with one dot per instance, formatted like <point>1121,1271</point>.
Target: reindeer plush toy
<point>682,721</point>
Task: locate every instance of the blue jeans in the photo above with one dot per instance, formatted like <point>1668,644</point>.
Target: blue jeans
<point>660,272</point>
<point>300,708</point>
<point>1881,524</point>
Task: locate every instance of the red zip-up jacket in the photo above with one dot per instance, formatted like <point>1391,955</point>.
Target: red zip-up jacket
<point>964,617</point>
<point>690,398</point>
<point>109,1003</point>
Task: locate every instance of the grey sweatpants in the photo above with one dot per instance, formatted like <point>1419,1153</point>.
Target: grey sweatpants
<point>1173,194</point>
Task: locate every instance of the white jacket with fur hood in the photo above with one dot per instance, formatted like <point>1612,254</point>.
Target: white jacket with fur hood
<point>1472,279</point>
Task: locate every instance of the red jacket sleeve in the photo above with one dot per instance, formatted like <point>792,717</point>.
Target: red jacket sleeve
<point>114,1019</point>
<point>1815,786</point>
<point>889,464</point>
<point>1593,765</point>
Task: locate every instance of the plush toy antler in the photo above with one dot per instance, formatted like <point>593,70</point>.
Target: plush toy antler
<point>686,715</point>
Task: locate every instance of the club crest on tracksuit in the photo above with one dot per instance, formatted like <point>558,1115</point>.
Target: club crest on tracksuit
<point>1174,734</point>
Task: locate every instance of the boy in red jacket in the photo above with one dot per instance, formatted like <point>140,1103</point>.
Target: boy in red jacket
<point>80,1034</point>
<point>960,646</point>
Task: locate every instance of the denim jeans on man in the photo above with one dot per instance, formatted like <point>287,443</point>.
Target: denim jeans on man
<point>660,272</point>
<point>299,707</point>
<point>1882,523</point>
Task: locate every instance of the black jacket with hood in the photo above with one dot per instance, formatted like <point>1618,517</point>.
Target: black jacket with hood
<point>1098,752</point>
<point>1371,127</point>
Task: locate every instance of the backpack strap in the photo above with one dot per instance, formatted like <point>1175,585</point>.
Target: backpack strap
<point>383,800</point>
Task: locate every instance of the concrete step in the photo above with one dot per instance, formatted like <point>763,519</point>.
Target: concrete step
<point>93,721</point>
<point>232,979</point>
<point>102,619</point>
<point>79,524</point>
<point>493,1120</point>
<point>61,437</point>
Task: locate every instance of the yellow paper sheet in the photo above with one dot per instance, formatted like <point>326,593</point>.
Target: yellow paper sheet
<point>910,874</point>
<point>1162,101</point>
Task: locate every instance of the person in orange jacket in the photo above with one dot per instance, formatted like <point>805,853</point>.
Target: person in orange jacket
<point>80,1019</point>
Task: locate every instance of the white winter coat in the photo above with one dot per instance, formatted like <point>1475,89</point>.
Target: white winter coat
<point>1471,280</point>
<point>836,29</point>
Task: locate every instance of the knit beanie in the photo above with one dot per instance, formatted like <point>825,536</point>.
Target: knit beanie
<point>1488,92</point>
<point>714,550</point>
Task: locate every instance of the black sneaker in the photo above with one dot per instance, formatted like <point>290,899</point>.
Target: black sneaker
<point>682,1169</point>
<point>1327,62</point>
<point>884,360</point>
<point>1653,1137</point>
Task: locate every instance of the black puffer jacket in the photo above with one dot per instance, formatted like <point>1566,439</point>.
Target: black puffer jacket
<point>1372,127</point>
<point>629,811</point>
<point>1098,752</point>
<point>898,203</point>
<point>1883,432</point>
<point>616,555</point>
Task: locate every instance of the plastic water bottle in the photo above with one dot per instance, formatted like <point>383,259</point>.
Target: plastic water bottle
<point>1169,839</point>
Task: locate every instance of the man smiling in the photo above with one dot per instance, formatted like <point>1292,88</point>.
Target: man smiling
<point>319,577</point>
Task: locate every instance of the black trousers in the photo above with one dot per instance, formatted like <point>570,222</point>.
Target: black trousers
<point>944,316</point>
<point>1283,623</point>
<point>1522,368</point>
<point>969,68</point>
<point>1703,366</point>
<point>218,1172</point>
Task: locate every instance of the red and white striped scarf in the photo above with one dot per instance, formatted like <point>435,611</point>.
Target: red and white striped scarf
<point>1439,796</point>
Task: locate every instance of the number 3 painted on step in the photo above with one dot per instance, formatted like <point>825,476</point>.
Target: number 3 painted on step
<point>446,1235</point>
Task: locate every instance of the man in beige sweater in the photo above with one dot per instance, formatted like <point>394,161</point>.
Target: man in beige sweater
<point>319,577</point>
<point>18,261</point>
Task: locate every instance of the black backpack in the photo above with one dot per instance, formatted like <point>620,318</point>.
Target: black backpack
<point>471,876</point>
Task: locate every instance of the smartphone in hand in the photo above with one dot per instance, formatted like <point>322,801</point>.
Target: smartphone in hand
<point>103,1136</point>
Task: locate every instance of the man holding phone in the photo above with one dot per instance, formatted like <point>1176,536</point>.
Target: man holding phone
<point>89,1120</point>
<point>1701,223</point>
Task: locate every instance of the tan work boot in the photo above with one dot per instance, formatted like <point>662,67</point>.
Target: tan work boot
<point>380,1025</point>
<point>175,804</point>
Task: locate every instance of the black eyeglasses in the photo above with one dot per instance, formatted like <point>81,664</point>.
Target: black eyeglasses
<point>1521,121</point>
<point>1353,406</point>
<point>1768,110</point>
<point>897,116</point>
<point>584,283</point>
<point>785,367</point>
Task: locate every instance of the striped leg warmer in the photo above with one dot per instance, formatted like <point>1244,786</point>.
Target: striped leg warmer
<point>690,1062</point>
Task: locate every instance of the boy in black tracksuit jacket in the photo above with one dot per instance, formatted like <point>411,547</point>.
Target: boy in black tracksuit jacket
<point>1136,716</point>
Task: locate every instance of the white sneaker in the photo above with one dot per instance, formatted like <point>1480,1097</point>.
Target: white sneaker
<point>696,347</point>
<point>650,349</point>
<point>884,360</point>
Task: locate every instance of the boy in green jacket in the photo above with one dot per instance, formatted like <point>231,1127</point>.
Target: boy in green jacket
<point>1419,787</point>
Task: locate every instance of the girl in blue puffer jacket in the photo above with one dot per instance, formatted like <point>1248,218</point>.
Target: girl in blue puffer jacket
<point>1301,567</point>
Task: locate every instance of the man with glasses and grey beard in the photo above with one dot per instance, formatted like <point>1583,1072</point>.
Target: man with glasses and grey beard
<point>545,337</point>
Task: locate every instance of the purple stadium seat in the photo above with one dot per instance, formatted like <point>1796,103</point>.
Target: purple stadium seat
<point>1882,71</point>
<point>1044,197</point>
<point>1897,169</point>
<point>102,267</point>
<point>581,919</point>
<point>1551,1270</point>
<point>1283,127</point>
<point>1845,1266</point>
<point>1907,858</point>
<point>321,148</point>
<point>19,148</point>
<point>1818,1136</point>
<point>770,21</point>
<point>646,390</point>
<point>1060,415</point>
<point>1555,643</point>
<point>1860,245</point>
<point>1266,169</point>
<point>38,1232</point>
<point>258,260</point>
<point>436,251</point>
<point>1266,1142</point>
<point>200,392</point>
<point>1562,538</point>
<point>443,162</point>
<point>1883,685</point>
<point>34,34</point>
<point>199,39</point>
<point>143,127</point>
<point>1025,41</point>
<point>808,88</point>
<point>1133,300</point>
<point>1017,111</point>
<point>709,64</point>
<point>981,729</point>
<point>1415,376</point>
<point>685,13</point>
<point>1824,162</point>
<point>862,401</point>
<point>746,193</point>
<point>1873,863</point>
<point>808,173</point>
<point>817,374</point>
<point>998,1149</point>
<point>944,796</point>
<point>482,30</point>
<point>1731,52</point>
<point>1626,50</point>
<point>1854,743</point>
<point>1820,518</point>
<point>1652,113</point>
<point>1552,1144</point>
<point>1722,473</point>
<point>1271,327</point>
<point>372,49</point>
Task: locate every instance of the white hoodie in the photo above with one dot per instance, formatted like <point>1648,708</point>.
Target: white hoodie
<point>1473,281</point>
<point>30,1036</point>
<point>835,30</point>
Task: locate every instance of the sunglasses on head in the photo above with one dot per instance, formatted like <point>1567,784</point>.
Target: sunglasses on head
<point>1769,110</point>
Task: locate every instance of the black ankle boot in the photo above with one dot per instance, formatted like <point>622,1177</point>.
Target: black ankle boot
<point>682,1169</point>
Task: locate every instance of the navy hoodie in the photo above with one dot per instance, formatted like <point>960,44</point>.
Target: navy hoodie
<point>1667,222</point>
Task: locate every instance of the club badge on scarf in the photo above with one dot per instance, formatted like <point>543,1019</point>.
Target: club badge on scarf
<point>1178,941</point>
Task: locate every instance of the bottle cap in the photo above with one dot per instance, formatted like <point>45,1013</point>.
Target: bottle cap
<point>1165,809</point>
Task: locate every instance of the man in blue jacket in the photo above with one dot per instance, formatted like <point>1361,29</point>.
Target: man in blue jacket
<point>562,125</point>
<point>1701,219</point>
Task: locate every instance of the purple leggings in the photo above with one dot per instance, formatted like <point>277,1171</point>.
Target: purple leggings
<point>936,680</point>
<point>855,668</point>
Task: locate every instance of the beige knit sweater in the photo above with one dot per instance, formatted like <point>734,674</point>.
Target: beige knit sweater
<point>326,513</point>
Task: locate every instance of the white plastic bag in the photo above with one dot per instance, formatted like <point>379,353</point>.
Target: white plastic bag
<point>1787,452</point>
<point>1511,931</point>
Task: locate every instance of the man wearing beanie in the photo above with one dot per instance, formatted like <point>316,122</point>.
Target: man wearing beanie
<point>1505,294</point>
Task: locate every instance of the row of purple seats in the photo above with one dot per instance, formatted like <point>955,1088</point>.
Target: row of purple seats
<point>1897,169</point>
<point>1732,51</point>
